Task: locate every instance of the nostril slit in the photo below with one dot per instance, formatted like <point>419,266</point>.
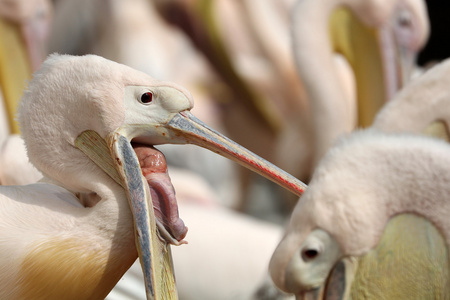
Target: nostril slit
<point>309,254</point>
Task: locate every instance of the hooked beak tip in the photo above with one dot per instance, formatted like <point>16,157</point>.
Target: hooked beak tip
<point>188,129</point>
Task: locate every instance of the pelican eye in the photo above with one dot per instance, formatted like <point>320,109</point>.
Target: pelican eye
<point>404,19</point>
<point>309,254</point>
<point>146,98</point>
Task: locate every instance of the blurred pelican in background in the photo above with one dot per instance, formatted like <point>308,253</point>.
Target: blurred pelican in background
<point>24,32</point>
<point>352,56</point>
<point>133,33</point>
<point>391,185</point>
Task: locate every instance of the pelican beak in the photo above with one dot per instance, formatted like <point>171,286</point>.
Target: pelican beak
<point>122,164</point>
<point>185,128</point>
<point>410,244</point>
<point>379,64</point>
<point>337,286</point>
<point>339,282</point>
<point>400,260</point>
<point>35,32</point>
<point>310,295</point>
<point>154,251</point>
<point>118,159</point>
<point>15,69</point>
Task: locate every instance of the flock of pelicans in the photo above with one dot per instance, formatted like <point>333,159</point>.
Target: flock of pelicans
<point>371,224</point>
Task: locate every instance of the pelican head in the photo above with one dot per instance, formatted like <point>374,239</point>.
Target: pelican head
<point>375,211</point>
<point>91,111</point>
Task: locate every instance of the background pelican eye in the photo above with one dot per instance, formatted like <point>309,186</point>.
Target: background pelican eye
<point>146,97</point>
<point>309,254</point>
<point>404,19</point>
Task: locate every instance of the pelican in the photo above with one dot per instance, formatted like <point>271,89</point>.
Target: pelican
<point>421,103</point>
<point>373,223</point>
<point>125,33</point>
<point>33,19</point>
<point>422,107</point>
<point>24,29</point>
<point>349,67</point>
<point>76,232</point>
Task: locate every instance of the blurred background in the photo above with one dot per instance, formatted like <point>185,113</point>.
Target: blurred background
<point>242,62</point>
<point>438,46</point>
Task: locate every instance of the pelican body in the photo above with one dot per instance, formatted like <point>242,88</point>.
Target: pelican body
<point>89,126</point>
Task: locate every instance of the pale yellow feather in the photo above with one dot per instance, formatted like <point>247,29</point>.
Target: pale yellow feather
<point>68,269</point>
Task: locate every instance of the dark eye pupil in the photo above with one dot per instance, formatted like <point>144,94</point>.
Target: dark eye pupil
<point>147,97</point>
<point>404,22</point>
<point>310,254</point>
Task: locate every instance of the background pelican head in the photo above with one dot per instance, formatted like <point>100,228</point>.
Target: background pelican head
<point>24,30</point>
<point>340,233</point>
<point>402,31</point>
<point>358,56</point>
<point>382,36</point>
<point>33,19</point>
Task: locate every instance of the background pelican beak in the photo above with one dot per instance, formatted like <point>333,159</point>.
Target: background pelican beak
<point>185,128</point>
<point>377,66</point>
<point>339,282</point>
<point>15,69</point>
<point>410,260</point>
<point>315,294</point>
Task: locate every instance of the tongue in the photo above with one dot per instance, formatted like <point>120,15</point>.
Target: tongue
<point>154,169</point>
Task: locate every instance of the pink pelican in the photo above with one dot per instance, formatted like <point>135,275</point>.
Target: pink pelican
<point>24,30</point>
<point>349,234</point>
<point>373,223</point>
<point>358,56</point>
<point>73,235</point>
<point>421,107</point>
<point>125,33</point>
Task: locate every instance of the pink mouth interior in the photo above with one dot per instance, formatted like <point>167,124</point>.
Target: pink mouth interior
<point>154,168</point>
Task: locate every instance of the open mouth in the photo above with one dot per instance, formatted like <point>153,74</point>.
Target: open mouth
<point>154,168</point>
<point>125,163</point>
